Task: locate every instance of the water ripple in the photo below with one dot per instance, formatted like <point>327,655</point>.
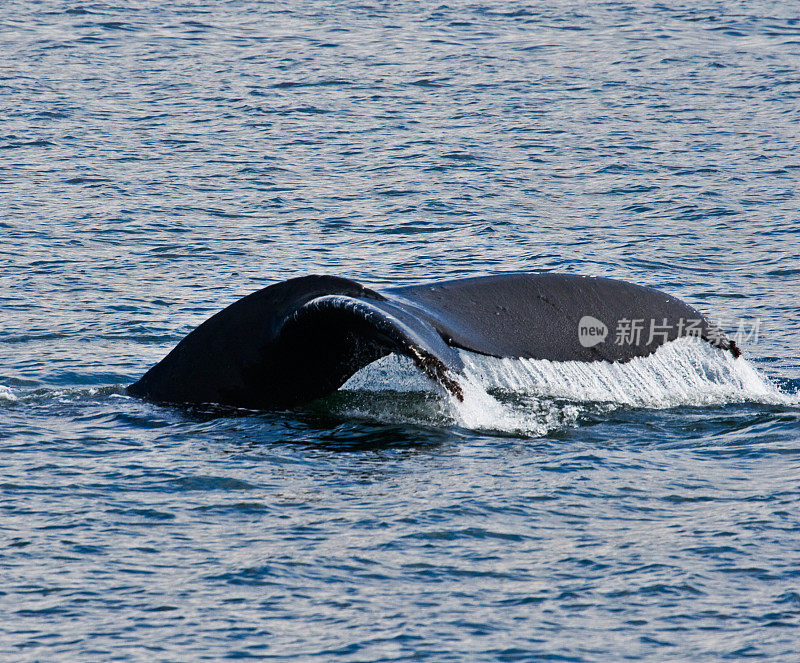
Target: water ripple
<point>161,161</point>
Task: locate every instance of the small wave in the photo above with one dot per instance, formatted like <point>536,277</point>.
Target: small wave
<point>43,395</point>
<point>6,394</point>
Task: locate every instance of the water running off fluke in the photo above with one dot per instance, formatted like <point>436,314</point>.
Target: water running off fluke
<point>532,397</point>
<point>301,339</point>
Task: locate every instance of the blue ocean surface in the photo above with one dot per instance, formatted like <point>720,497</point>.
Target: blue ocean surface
<point>159,160</point>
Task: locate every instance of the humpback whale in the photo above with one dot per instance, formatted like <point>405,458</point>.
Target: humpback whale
<point>303,338</point>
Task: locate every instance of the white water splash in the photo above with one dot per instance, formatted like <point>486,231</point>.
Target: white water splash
<point>6,394</point>
<point>480,410</point>
<point>413,398</point>
<point>683,372</point>
<point>532,397</point>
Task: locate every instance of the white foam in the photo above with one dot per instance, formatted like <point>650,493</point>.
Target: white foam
<point>480,410</point>
<point>6,394</point>
<point>532,397</point>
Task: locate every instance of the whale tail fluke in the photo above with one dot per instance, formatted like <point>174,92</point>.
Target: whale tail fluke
<point>303,338</point>
<point>292,342</point>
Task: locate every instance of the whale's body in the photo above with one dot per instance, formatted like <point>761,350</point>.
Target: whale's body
<point>301,339</point>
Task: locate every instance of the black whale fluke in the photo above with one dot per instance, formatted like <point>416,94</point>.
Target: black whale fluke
<point>303,338</point>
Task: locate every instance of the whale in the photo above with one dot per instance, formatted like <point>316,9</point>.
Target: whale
<point>301,339</point>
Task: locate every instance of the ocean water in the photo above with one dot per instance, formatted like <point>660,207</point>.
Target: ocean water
<point>159,160</point>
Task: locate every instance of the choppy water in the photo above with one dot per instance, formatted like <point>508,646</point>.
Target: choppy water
<point>160,160</point>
